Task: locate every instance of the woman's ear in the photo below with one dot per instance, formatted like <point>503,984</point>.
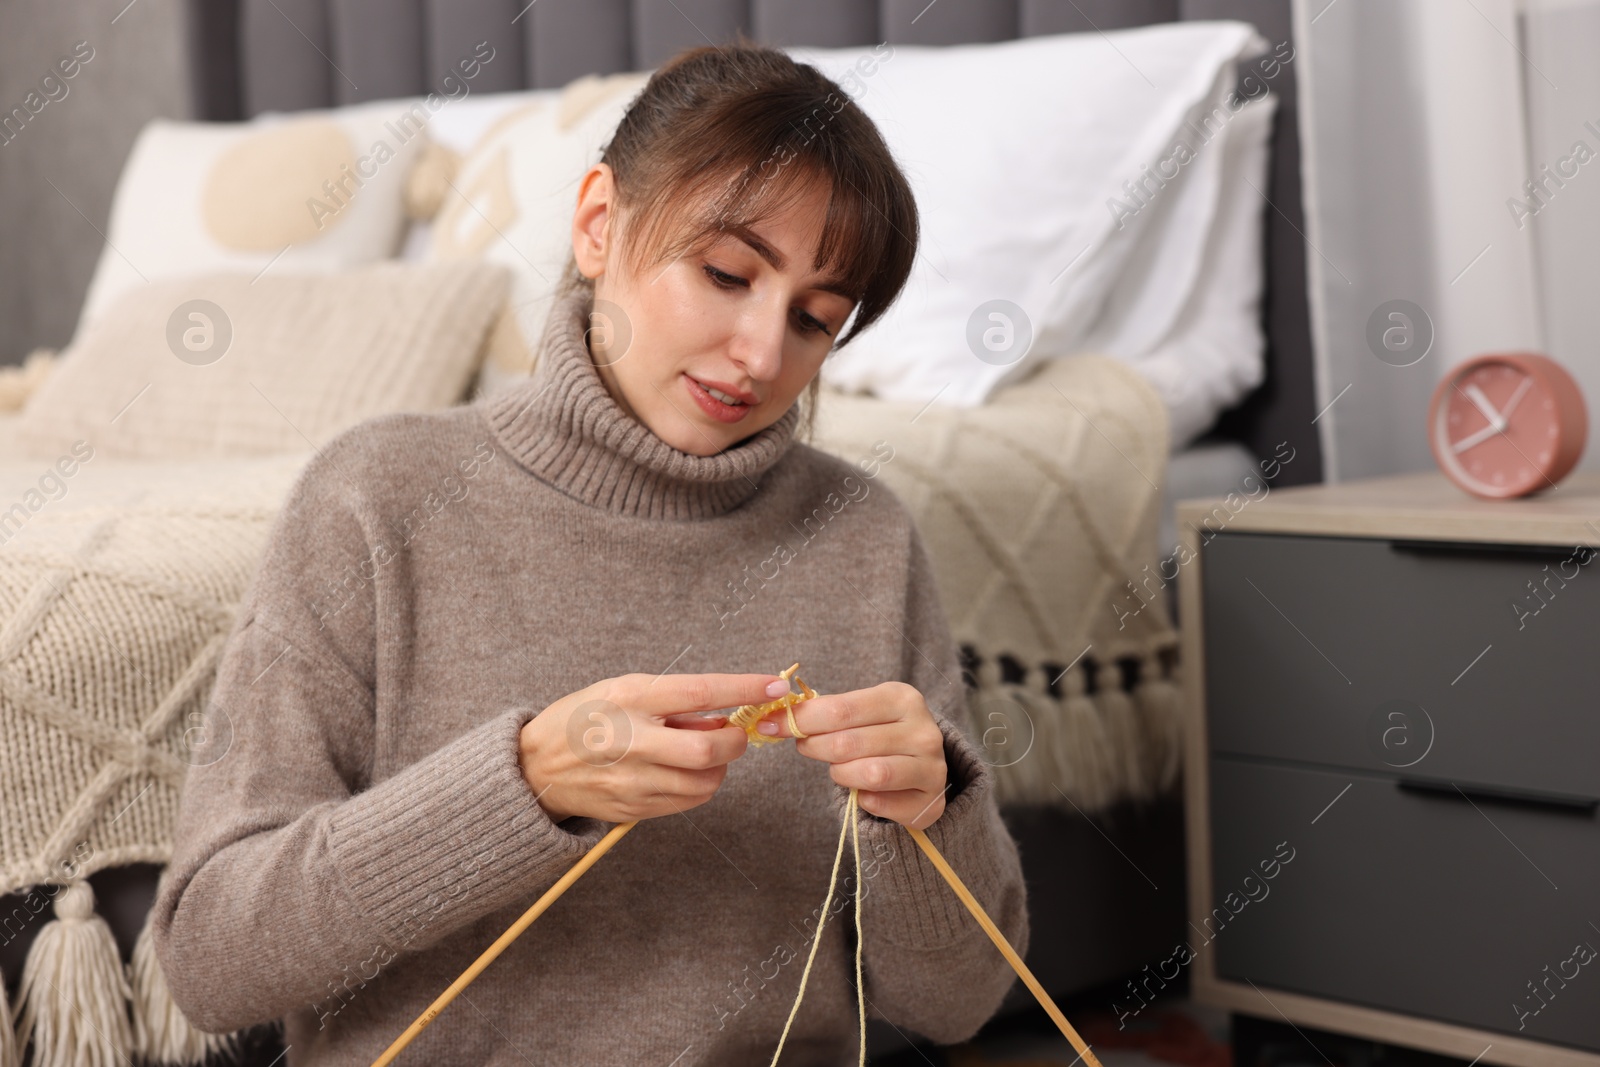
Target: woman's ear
<point>591,222</point>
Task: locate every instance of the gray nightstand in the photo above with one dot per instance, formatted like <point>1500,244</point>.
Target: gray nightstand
<point>1393,764</point>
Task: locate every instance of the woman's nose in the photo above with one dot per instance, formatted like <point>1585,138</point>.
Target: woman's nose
<point>758,342</point>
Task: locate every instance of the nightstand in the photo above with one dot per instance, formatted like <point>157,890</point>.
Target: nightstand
<point>1392,765</point>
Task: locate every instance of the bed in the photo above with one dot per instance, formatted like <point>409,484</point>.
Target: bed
<point>1075,460</point>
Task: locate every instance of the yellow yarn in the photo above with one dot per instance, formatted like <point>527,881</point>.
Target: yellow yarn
<point>749,715</point>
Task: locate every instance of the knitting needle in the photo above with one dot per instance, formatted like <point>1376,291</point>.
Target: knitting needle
<point>1004,946</point>
<point>512,933</point>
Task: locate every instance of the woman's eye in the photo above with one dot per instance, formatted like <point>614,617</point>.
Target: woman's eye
<point>722,279</point>
<point>808,324</point>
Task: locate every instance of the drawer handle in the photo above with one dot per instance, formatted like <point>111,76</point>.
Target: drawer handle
<point>1478,548</point>
<point>1500,795</point>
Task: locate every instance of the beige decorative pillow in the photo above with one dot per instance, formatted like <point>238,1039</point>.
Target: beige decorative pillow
<point>19,383</point>
<point>315,191</point>
<point>429,181</point>
<point>507,357</point>
<point>218,365</point>
<point>512,198</point>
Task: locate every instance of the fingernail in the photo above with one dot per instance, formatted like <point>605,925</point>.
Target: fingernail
<point>777,688</point>
<point>767,728</point>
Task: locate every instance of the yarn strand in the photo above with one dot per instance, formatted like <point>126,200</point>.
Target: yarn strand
<point>849,826</point>
<point>861,990</point>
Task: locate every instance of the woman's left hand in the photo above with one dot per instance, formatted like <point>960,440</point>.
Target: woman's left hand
<point>883,741</point>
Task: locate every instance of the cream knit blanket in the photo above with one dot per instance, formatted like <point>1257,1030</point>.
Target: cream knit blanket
<point>119,582</point>
<point>118,585</point>
<point>1038,509</point>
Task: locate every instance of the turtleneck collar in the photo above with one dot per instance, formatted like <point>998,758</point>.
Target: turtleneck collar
<point>563,425</point>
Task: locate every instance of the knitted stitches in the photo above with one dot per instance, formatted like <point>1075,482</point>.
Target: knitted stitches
<point>122,593</point>
<point>748,716</point>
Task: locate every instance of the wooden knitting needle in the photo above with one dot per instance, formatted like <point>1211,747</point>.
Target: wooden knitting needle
<point>1004,946</point>
<point>512,933</point>
<point>760,711</point>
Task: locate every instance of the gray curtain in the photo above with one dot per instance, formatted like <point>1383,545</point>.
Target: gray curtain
<point>1414,134</point>
<point>1562,44</point>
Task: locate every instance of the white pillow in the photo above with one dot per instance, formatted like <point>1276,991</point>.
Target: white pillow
<point>1188,315</point>
<point>202,197</point>
<point>1013,150</point>
<point>1007,207</point>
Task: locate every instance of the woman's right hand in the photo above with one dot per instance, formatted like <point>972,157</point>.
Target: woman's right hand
<point>619,750</point>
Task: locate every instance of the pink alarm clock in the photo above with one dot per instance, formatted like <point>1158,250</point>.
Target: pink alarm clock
<point>1507,424</point>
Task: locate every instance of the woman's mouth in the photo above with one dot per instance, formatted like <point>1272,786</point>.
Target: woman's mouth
<point>715,403</point>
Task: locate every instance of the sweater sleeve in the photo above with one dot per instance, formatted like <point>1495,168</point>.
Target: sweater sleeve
<point>292,873</point>
<point>928,965</point>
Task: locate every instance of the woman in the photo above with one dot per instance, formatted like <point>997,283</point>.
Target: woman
<point>480,636</point>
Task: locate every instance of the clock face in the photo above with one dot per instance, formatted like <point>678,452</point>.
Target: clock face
<point>1505,426</point>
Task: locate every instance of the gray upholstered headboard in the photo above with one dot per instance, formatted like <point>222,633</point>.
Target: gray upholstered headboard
<point>256,55</point>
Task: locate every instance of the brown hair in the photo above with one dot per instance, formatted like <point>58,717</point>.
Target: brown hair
<point>742,131</point>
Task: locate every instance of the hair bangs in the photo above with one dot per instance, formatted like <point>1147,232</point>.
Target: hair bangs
<point>730,195</point>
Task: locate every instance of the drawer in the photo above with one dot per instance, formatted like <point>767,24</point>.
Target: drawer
<point>1372,654</point>
<point>1406,901</point>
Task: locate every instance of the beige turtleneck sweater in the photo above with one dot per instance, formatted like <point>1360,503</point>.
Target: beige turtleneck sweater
<point>361,831</point>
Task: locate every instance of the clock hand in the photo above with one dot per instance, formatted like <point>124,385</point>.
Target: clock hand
<point>1477,438</point>
<point>1474,394</point>
<point>1511,404</point>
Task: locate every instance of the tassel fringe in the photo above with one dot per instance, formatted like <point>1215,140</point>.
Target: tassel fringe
<point>75,998</point>
<point>1125,732</point>
<point>9,1055</point>
<point>74,994</point>
<point>1081,749</point>
<point>1089,750</point>
<point>1160,706</point>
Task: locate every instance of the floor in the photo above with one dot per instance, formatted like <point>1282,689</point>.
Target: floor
<point>1169,1032</point>
<point>1165,1033</point>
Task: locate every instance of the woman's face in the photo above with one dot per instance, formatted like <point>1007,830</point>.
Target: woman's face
<point>748,318</point>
